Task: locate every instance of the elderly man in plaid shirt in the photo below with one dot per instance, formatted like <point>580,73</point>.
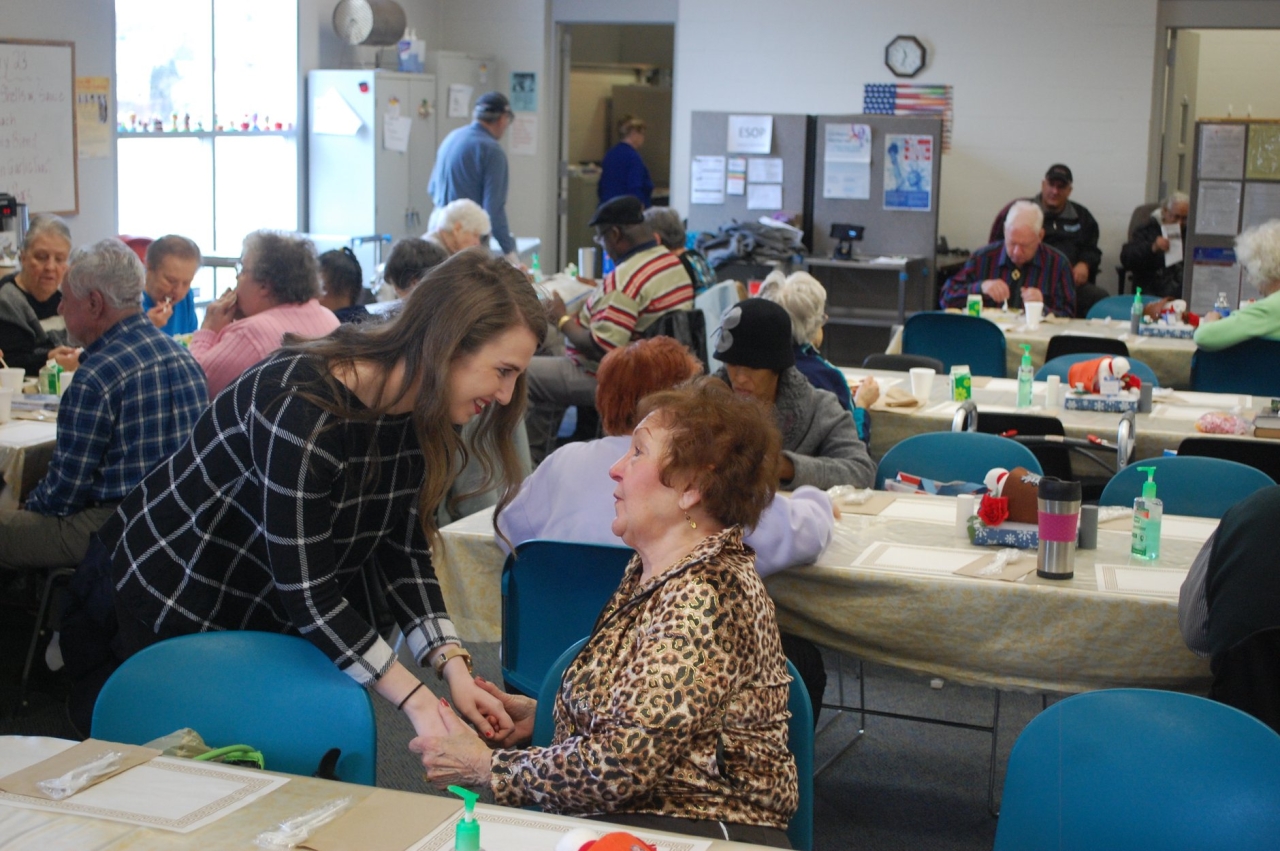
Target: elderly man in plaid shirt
<point>133,402</point>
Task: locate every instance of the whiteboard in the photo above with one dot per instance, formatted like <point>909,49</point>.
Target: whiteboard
<point>37,125</point>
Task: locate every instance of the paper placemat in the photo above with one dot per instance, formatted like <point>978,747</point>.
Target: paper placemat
<point>1001,385</point>
<point>895,400</point>
<point>515,830</point>
<point>1214,401</point>
<point>1146,581</point>
<point>1176,526</point>
<point>923,561</point>
<point>179,795</point>
<point>25,782</point>
<point>381,822</point>
<point>873,506</point>
<point>1188,413</point>
<point>977,382</point>
<point>24,434</point>
<point>941,511</point>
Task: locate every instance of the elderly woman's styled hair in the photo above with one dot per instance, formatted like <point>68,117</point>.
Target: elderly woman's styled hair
<point>628,374</point>
<point>667,226</point>
<point>109,267</point>
<point>41,224</point>
<point>804,299</point>
<point>723,444</point>
<point>283,262</point>
<point>1258,250</point>
<point>463,212</point>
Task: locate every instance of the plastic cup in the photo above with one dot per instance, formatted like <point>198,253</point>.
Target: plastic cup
<point>1035,312</point>
<point>11,377</point>
<point>922,381</point>
<point>587,262</point>
<point>6,404</point>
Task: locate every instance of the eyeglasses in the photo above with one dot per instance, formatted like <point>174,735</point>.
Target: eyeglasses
<point>599,238</point>
<point>239,267</point>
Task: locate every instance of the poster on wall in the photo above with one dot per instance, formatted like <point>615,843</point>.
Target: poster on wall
<point>1221,151</point>
<point>908,172</point>
<point>737,182</point>
<point>524,91</point>
<point>93,117</point>
<point>706,185</point>
<point>1218,208</point>
<point>1263,161</point>
<point>1214,271</point>
<point>524,135</point>
<point>750,134</point>
<point>846,161</point>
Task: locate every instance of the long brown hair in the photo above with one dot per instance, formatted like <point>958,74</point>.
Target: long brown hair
<point>457,308</point>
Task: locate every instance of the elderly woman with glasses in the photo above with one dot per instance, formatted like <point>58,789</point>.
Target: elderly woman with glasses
<point>805,300</point>
<point>277,293</point>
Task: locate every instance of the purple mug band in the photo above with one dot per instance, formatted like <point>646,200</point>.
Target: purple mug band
<point>1058,527</point>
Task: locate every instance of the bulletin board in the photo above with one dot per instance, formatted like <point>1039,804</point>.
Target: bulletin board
<point>906,150</point>
<point>1235,184</point>
<point>37,125</point>
<point>778,171</point>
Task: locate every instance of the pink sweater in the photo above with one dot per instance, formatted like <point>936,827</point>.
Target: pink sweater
<point>227,353</point>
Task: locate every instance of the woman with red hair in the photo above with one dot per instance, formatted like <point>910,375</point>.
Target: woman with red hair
<point>570,496</point>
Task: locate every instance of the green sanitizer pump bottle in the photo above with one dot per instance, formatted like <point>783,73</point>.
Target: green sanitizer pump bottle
<point>1026,378</point>
<point>1135,312</point>
<point>466,836</point>
<point>1147,513</point>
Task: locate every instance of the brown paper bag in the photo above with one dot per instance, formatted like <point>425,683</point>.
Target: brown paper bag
<point>24,782</point>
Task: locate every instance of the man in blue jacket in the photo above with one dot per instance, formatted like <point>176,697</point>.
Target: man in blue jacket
<point>471,164</point>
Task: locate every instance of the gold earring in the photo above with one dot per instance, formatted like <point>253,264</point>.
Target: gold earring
<point>689,520</point>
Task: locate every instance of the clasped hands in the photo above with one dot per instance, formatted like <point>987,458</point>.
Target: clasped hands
<point>453,753</point>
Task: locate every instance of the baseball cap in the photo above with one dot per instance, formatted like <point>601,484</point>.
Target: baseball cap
<point>1058,172</point>
<point>491,105</point>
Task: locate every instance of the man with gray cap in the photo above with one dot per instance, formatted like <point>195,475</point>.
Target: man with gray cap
<point>471,164</point>
<point>647,282</point>
<point>132,403</point>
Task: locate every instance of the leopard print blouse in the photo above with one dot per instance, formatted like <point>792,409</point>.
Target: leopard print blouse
<point>676,706</point>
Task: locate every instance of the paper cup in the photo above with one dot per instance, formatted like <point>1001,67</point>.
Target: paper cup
<point>1035,312</point>
<point>922,381</point>
<point>11,378</point>
<point>6,404</point>
<point>64,381</point>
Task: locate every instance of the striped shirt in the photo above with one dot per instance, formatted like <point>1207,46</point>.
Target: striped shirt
<point>647,283</point>
<point>270,511</point>
<point>1048,271</point>
<point>133,403</point>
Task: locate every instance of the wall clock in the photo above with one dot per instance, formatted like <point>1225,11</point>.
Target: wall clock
<point>905,56</point>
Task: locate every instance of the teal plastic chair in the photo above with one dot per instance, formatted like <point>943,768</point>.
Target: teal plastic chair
<point>1059,366</point>
<point>1115,307</point>
<point>1136,768</point>
<point>1194,486</point>
<point>948,456</point>
<point>1250,367</point>
<point>955,338</point>
<point>799,738</point>
<point>276,693</point>
<point>552,593</point>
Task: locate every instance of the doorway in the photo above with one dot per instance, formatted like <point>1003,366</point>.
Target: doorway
<point>609,71</point>
<point>1213,73</point>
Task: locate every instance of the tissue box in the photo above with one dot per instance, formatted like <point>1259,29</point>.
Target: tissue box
<point>1024,536</point>
<point>1159,329</point>
<point>1121,403</point>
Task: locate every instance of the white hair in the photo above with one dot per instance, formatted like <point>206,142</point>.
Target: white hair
<point>465,212</point>
<point>1174,200</point>
<point>1258,250</point>
<point>109,267</point>
<point>804,298</point>
<point>1026,212</point>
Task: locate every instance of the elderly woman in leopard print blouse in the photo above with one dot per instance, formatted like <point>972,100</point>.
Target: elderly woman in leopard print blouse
<point>674,715</point>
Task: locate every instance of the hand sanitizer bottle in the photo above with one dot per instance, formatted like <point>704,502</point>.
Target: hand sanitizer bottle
<point>1026,378</point>
<point>466,835</point>
<point>535,269</point>
<point>1147,511</point>
<point>1135,312</point>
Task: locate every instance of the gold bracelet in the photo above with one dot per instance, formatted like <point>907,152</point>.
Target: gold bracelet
<point>450,652</point>
<point>563,319</point>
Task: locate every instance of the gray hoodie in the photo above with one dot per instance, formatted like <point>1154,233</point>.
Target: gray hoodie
<point>818,435</point>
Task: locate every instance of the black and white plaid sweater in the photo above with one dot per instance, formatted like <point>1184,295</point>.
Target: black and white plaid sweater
<point>263,518</point>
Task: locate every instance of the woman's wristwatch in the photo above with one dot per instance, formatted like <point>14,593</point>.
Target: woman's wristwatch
<point>450,652</point>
